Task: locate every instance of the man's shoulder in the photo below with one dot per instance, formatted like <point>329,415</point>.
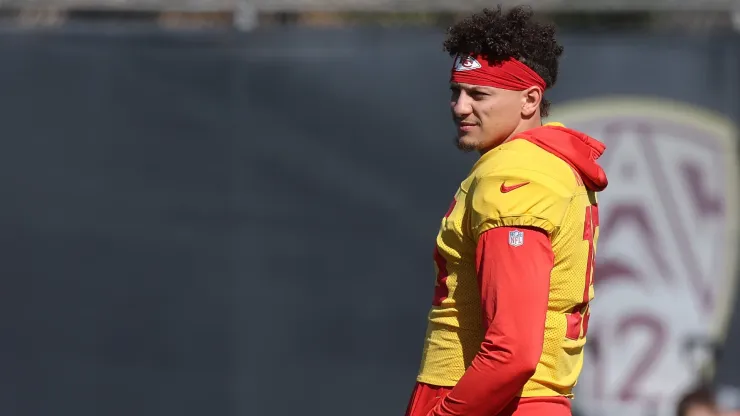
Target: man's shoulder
<point>522,185</point>
<point>523,161</point>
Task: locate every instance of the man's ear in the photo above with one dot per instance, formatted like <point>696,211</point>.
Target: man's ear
<point>531,99</point>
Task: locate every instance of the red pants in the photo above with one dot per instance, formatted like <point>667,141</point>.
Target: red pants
<point>426,396</point>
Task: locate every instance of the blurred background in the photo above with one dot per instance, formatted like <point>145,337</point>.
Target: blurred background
<point>227,207</point>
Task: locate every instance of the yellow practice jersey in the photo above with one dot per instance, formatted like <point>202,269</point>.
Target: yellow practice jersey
<point>554,200</point>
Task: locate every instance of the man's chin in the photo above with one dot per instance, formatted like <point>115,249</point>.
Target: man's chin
<point>466,144</point>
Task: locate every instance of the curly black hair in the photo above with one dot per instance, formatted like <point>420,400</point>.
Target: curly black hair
<point>499,35</point>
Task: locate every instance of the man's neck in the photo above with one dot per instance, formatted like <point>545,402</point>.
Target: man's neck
<point>524,125</point>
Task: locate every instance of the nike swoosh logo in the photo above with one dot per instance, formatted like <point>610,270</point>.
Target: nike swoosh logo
<point>505,189</point>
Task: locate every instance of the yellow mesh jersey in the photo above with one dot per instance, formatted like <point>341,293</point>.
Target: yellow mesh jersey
<point>554,200</point>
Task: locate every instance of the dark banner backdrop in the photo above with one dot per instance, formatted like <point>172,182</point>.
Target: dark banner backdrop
<point>242,224</point>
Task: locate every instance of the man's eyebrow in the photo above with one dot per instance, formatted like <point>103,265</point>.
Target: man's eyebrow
<point>469,88</point>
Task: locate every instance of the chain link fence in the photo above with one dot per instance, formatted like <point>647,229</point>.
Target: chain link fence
<point>689,15</point>
<point>374,5</point>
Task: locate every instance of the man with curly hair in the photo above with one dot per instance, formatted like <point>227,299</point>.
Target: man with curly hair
<point>515,251</point>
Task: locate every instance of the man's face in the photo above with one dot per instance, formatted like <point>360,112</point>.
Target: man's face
<point>484,116</point>
<point>701,410</point>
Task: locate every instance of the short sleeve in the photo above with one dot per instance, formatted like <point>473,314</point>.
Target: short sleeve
<point>516,201</point>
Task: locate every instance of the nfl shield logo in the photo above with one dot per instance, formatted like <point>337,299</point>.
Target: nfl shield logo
<point>516,238</point>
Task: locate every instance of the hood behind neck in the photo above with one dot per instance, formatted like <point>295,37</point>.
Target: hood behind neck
<point>579,150</point>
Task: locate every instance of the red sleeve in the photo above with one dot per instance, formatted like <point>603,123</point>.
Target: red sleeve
<point>515,287</point>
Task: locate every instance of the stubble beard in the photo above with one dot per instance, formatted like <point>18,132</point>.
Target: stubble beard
<point>464,146</point>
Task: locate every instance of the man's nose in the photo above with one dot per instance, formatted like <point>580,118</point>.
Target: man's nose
<point>461,105</point>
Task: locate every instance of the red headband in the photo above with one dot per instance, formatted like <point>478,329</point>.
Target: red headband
<point>508,75</point>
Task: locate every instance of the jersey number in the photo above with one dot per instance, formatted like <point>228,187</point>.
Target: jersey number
<point>441,292</point>
<point>578,319</point>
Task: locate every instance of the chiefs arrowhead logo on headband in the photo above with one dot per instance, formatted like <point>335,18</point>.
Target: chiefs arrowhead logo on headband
<point>510,74</point>
<point>467,63</point>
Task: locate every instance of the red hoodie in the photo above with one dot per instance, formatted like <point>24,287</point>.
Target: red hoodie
<point>579,150</point>
<point>493,382</point>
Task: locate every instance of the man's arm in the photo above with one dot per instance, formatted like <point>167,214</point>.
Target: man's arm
<point>515,287</point>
